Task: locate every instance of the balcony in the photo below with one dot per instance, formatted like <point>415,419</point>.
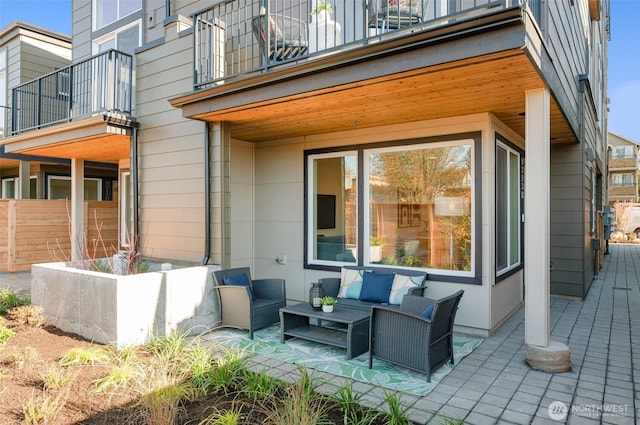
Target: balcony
<point>623,163</point>
<point>80,111</point>
<point>244,37</point>
<point>98,85</point>
<point>284,70</point>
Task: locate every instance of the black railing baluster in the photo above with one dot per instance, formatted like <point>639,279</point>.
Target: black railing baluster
<point>101,83</point>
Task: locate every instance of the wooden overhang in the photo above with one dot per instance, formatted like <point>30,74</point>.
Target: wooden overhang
<point>103,138</point>
<point>425,75</point>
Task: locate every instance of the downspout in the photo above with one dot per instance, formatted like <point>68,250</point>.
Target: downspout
<point>134,178</point>
<point>167,8</point>
<point>207,198</point>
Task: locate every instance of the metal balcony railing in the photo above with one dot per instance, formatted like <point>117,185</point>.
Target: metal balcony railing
<point>102,83</point>
<point>237,37</point>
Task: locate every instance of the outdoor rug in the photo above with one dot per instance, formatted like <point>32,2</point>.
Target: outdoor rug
<point>333,360</point>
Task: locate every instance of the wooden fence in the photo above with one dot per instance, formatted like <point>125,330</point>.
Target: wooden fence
<point>37,231</point>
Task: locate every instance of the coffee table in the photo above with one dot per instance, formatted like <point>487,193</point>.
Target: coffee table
<point>295,322</point>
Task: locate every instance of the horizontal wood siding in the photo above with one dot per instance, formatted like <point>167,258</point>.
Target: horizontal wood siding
<point>4,235</point>
<point>171,153</point>
<point>575,46</point>
<point>37,231</point>
<point>565,42</point>
<point>567,220</point>
<point>101,228</point>
<point>81,29</point>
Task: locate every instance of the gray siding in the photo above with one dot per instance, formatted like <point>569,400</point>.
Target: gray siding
<point>569,37</point>
<point>31,54</point>
<point>81,28</point>
<point>567,219</point>
<point>171,154</point>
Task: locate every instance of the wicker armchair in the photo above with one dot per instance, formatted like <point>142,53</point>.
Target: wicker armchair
<point>284,37</point>
<point>248,307</point>
<point>406,338</point>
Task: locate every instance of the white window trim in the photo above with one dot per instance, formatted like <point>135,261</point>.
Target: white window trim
<point>94,14</point>
<point>16,180</point>
<point>430,145</point>
<point>311,202</point>
<point>114,34</point>
<point>500,272</point>
<point>125,232</point>
<point>49,178</point>
<point>365,184</point>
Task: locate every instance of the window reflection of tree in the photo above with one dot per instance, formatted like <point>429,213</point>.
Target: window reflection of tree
<point>415,178</point>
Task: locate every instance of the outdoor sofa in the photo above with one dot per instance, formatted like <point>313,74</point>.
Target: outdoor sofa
<point>385,286</point>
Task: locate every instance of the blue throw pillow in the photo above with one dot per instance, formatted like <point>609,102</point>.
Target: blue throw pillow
<point>428,312</point>
<point>239,280</point>
<point>376,287</point>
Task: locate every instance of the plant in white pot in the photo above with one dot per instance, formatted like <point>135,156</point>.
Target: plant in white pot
<point>328,303</point>
<point>324,32</point>
<point>322,10</point>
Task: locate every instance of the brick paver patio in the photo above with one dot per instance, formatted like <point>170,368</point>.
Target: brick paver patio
<point>494,385</point>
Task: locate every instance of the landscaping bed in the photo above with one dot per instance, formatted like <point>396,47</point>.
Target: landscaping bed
<point>34,361</point>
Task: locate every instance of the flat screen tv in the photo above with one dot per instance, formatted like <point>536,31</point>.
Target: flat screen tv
<point>326,211</point>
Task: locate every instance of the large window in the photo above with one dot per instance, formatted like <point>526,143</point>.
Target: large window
<point>334,188</point>
<point>11,187</point>
<point>622,179</point>
<point>108,11</point>
<point>59,187</point>
<point>508,208</point>
<point>126,40</point>
<point>402,205</point>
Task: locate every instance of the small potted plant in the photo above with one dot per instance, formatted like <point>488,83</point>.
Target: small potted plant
<point>328,303</point>
<point>322,9</point>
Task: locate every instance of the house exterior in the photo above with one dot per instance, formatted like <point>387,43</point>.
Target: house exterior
<point>26,53</point>
<point>467,138</point>
<point>31,229</point>
<point>623,169</point>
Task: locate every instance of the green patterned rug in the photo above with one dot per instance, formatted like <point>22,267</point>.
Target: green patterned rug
<point>333,360</point>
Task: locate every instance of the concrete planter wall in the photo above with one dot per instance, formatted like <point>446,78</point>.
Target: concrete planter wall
<point>125,310</point>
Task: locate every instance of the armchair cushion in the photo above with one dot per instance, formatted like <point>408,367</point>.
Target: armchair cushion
<point>350,284</point>
<point>239,280</point>
<point>376,287</point>
<point>402,284</point>
<point>248,303</point>
<point>428,312</point>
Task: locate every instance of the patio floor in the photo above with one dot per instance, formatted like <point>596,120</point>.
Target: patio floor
<point>494,385</point>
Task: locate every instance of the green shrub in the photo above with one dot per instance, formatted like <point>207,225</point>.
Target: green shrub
<point>260,386</point>
<point>85,356</point>
<point>396,415</point>
<point>12,298</point>
<point>5,334</point>
<point>349,402</point>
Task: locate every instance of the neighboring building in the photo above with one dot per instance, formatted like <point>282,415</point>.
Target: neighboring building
<point>623,169</point>
<point>467,138</point>
<point>28,52</point>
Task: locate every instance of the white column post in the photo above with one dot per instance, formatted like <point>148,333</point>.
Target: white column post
<point>536,217</point>
<point>77,209</point>
<point>542,353</point>
<point>24,174</point>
